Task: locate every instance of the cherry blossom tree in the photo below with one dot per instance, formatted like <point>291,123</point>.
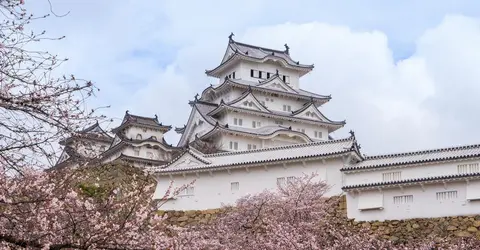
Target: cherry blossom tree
<point>99,207</point>
<point>36,108</point>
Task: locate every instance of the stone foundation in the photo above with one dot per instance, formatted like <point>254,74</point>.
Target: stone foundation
<point>395,230</point>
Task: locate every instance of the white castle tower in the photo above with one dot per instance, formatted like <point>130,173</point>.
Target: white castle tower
<point>256,129</point>
<point>258,103</point>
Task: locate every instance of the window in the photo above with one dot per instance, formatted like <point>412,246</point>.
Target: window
<point>254,124</point>
<point>447,195</point>
<point>234,186</point>
<point>269,99</point>
<point>252,73</point>
<point>149,155</point>
<point>468,168</point>
<point>252,146</point>
<point>287,108</point>
<point>154,137</point>
<point>268,75</point>
<point>136,151</point>
<point>392,176</point>
<point>404,199</point>
<point>284,78</point>
<point>233,75</point>
<point>259,74</point>
<point>139,136</point>
<point>279,122</point>
<point>291,179</point>
<point>237,121</point>
<point>281,181</point>
<point>233,145</point>
<point>188,191</point>
<point>318,134</point>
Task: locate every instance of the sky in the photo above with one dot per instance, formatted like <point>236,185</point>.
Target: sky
<point>403,74</point>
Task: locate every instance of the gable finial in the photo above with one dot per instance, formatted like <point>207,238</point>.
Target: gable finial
<point>230,37</point>
<point>352,134</point>
<point>287,49</point>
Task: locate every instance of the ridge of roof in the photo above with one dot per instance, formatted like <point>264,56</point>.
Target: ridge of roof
<point>257,47</point>
<point>298,145</point>
<point>323,98</point>
<point>419,152</point>
<point>412,180</point>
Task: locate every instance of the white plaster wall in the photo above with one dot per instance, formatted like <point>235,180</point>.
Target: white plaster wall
<point>144,149</point>
<point>247,120</point>
<point>89,148</point>
<point>213,191</point>
<point>146,133</point>
<point>424,205</point>
<point>245,68</point>
<point>409,172</point>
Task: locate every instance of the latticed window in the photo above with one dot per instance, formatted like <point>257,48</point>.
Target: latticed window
<point>468,168</point>
<point>403,199</point>
<point>281,181</point>
<point>447,195</point>
<point>139,137</point>
<point>234,186</point>
<point>392,176</point>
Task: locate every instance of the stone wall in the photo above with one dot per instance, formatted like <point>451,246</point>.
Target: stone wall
<point>395,230</point>
<point>190,218</point>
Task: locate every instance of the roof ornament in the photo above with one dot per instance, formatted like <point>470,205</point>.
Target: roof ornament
<point>249,88</point>
<point>290,128</point>
<point>246,52</point>
<point>352,134</point>
<point>277,72</point>
<point>196,97</point>
<point>230,37</point>
<point>273,53</point>
<point>126,112</point>
<point>226,125</point>
<point>298,62</point>
<point>226,78</point>
<point>156,117</point>
<point>287,49</point>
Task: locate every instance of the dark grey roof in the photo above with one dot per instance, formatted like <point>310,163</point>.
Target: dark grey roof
<point>412,181</point>
<point>425,156</point>
<point>302,94</point>
<point>243,51</point>
<point>129,119</point>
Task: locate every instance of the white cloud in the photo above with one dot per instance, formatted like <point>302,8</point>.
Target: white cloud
<point>428,100</point>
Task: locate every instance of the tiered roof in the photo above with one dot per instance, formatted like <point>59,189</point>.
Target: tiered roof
<point>258,108</point>
<point>206,110</point>
<point>259,157</point>
<point>141,121</point>
<point>93,132</point>
<point>228,84</point>
<point>237,51</point>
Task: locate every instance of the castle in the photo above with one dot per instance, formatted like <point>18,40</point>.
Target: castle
<point>257,128</point>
